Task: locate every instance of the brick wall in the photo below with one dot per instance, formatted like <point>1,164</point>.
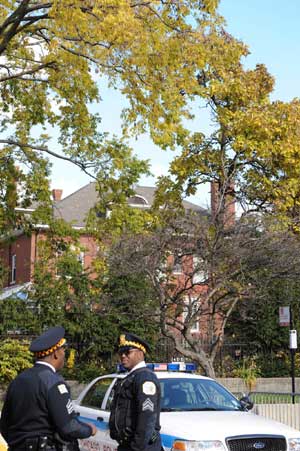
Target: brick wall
<point>22,248</point>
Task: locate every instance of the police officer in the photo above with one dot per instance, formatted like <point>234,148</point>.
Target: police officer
<point>135,409</point>
<point>38,412</point>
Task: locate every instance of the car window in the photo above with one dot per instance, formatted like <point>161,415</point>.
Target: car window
<point>195,394</point>
<point>94,397</point>
<point>110,395</point>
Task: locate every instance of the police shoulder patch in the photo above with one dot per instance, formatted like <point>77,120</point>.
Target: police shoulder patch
<point>62,388</point>
<point>149,388</point>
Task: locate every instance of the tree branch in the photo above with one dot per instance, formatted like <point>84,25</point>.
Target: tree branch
<point>23,146</point>
<point>51,64</point>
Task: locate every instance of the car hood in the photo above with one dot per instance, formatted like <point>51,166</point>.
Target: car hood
<point>219,425</point>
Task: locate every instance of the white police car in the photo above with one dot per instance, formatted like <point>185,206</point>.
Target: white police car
<point>197,413</point>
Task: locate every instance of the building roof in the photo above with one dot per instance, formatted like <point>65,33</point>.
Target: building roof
<point>75,207</point>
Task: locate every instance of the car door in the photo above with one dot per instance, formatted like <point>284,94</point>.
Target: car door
<point>93,406</point>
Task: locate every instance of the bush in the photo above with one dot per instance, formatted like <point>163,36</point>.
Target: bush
<point>249,372</point>
<point>84,372</point>
<point>15,357</point>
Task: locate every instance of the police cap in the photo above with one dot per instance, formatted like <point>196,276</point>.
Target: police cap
<point>130,341</point>
<point>51,340</point>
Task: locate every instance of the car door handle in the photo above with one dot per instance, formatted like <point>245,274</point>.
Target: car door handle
<point>100,419</point>
<point>77,414</point>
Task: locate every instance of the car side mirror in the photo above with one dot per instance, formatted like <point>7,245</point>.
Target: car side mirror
<point>246,403</point>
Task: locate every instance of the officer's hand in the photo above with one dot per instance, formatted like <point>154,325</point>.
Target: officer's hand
<point>94,429</point>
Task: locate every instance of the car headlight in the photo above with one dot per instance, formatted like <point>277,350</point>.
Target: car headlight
<point>201,445</point>
<point>294,444</point>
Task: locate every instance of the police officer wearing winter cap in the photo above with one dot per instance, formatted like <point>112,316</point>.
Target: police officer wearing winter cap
<point>134,419</point>
<point>38,414</point>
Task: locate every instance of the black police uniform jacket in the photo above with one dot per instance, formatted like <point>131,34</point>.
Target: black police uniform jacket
<point>38,404</point>
<point>135,410</point>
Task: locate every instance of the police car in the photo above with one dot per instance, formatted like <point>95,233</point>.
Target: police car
<point>197,414</point>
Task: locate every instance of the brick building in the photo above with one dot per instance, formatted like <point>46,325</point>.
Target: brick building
<point>20,254</point>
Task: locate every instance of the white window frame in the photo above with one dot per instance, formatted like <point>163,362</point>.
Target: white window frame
<point>81,258</point>
<point>196,326</point>
<point>80,255</point>
<point>13,275</point>
<point>177,267</point>
<point>199,276</point>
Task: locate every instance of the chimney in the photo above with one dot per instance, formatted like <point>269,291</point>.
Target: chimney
<point>56,194</point>
<point>226,211</point>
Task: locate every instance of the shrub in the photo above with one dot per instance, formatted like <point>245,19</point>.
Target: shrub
<point>71,359</point>
<point>249,372</point>
<point>84,372</point>
<point>15,357</point>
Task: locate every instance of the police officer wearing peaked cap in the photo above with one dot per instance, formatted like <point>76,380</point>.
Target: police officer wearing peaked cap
<point>38,414</point>
<point>135,410</point>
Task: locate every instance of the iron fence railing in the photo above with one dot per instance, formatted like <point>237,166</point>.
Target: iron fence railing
<point>282,407</point>
<point>271,397</point>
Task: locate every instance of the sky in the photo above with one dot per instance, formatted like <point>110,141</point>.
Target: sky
<point>271,30</point>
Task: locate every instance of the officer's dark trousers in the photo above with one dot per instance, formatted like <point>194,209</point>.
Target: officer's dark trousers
<point>36,444</point>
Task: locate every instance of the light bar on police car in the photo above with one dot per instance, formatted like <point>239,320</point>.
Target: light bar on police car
<point>174,366</point>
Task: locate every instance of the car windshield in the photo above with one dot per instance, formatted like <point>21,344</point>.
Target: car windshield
<point>195,395</point>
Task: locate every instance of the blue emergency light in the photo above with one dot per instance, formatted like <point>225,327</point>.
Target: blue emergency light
<point>174,367</point>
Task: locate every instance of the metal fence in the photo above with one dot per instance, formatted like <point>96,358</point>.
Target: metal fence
<point>282,407</point>
<point>165,351</point>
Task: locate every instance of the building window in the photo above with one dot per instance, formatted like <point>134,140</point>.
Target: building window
<point>103,214</point>
<point>195,306</point>
<point>81,258</point>
<point>79,254</point>
<point>195,326</point>
<point>177,264</point>
<point>13,268</point>
<point>199,270</point>
<point>137,200</point>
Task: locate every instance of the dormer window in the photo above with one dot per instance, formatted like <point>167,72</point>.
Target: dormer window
<point>138,201</point>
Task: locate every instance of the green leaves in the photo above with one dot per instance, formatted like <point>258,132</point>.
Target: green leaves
<point>15,357</point>
<point>56,55</point>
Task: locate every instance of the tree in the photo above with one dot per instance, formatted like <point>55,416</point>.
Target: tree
<point>53,55</point>
<point>131,302</point>
<point>94,308</point>
<point>16,317</point>
<point>256,320</point>
<point>251,159</point>
<point>62,292</point>
<point>252,153</point>
<point>218,271</point>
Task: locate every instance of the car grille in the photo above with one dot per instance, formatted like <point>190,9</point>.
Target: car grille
<point>256,443</point>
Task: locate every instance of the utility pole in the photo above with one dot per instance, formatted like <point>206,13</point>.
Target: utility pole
<point>293,347</point>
